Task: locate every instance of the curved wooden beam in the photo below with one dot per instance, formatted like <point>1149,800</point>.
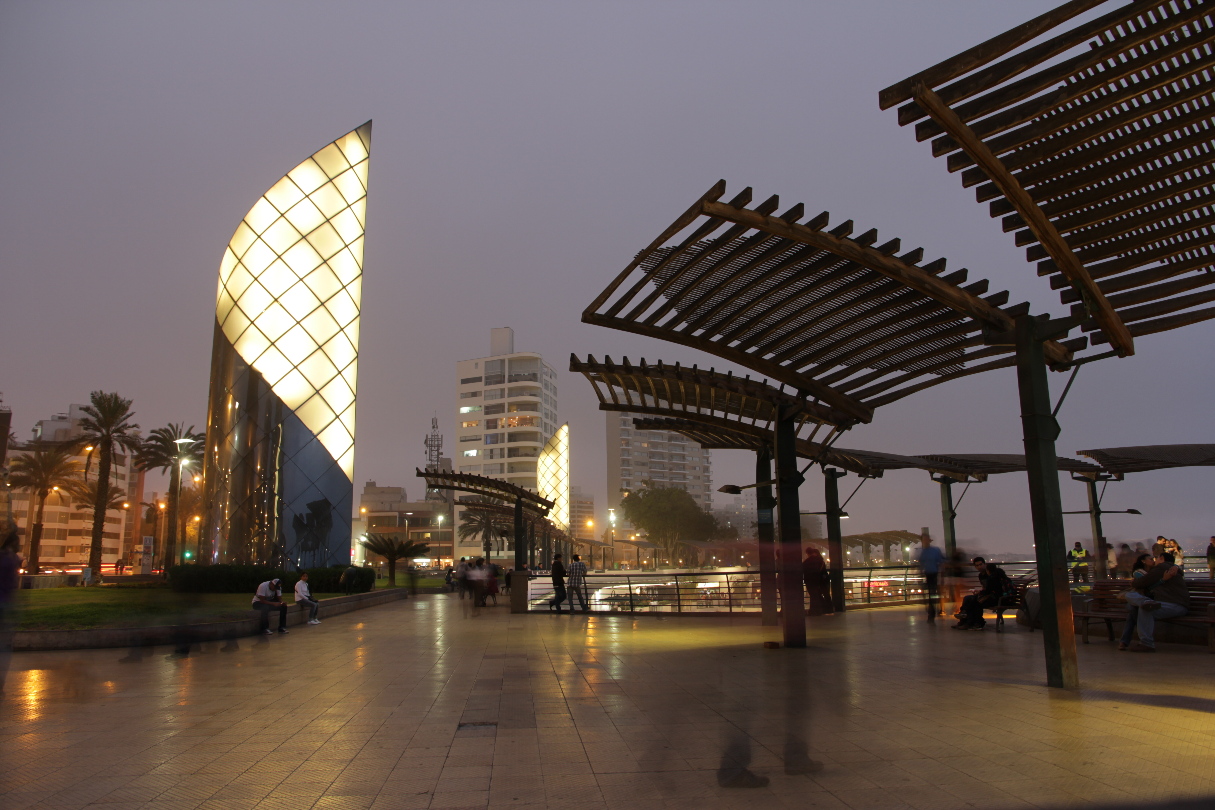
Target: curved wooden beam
<point>1035,218</point>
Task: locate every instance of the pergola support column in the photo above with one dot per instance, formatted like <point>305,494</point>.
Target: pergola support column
<point>948,516</point>
<point>835,535</point>
<point>518,596</point>
<point>765,504</point>
<point>1100,550</point>
<point>1040,430</point>
<point>788,479</point>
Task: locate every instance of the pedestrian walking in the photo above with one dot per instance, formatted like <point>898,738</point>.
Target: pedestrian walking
<point>558,571</point>
<point>931,560</point>
<point>577,583</point>
<point>10,579</point>
<point>1211,559</point>
<point>478,582</point>
<point>269,597</point>
<point>818,583</point>
<point>348,579</point>
<point>462,577</point>
<point>303,598</point>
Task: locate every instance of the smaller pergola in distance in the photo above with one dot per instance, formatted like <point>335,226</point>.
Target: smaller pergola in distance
<point>522,499</point>
<point>543,536</point>
<point>1118,462</point>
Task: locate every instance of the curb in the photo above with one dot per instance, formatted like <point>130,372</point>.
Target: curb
<point>100,638</point>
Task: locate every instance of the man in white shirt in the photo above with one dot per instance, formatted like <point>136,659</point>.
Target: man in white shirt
<point>303,598</point>
<point>268,597</point>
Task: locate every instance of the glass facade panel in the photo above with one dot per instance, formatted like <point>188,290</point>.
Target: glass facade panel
<point>280,431</point>
<point>553,476</point>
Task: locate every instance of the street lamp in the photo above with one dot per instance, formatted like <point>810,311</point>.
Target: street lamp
<point>1094,511</point>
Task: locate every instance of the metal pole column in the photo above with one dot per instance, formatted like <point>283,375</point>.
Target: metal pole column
<point>1100,550</point>
<point>835,535</point>
<point>518,596</point>
<point>788,479</point>
<point>1040,430</point>
<point>948,516</point>
<point>765,504</point>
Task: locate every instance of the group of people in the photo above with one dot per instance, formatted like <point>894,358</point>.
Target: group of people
<point>269,598</point>
<point>1158,591</point>
<point>478,579</point>
<point>568,583</point>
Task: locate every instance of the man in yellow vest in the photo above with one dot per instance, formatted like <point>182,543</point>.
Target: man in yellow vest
<point>1077,560</point>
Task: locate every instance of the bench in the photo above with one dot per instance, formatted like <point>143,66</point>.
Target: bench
<point>1011,601</point>
<point>1103,604</point>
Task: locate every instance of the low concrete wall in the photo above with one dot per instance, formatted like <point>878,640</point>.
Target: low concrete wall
<point>32,640</point>
<point>31,581</point>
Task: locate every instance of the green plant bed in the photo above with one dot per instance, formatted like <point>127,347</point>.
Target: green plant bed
<point>89,608</point>
<point>246,578</point>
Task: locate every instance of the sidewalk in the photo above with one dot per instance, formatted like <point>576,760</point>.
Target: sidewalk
<point>415,705</point>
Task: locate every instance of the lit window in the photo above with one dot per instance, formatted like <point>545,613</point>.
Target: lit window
<point>468,453</point>
<point>472,424</point>
<point>470,409</point>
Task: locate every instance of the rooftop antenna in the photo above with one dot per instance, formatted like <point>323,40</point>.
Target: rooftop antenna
<point>434,445</point>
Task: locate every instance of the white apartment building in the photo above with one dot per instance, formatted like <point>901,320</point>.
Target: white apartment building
<point>666,458</point>
<point>67,527</point>
<point>506,409</point>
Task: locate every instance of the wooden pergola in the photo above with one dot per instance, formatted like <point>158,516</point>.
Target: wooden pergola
<point>543,536</point>
<point>845,323</point>
<point>523,500</point>
<point>1093,146</point>
<point>1092,141</point>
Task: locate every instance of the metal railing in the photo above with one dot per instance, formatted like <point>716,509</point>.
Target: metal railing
<point>725,591</point>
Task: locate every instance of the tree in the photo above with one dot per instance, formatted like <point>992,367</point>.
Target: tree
<point>487,525</point>
<point>171,448</point>
<point>393,548</point>
<point>670,517</point>
<point>43,469</point>
<point>106,427</point>
<point>84,494</point>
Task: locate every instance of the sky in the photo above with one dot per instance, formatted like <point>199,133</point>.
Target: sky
<point>522,153</point>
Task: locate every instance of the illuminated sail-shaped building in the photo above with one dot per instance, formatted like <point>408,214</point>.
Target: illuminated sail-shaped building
<point>553,476</point>
<point>278,477</point>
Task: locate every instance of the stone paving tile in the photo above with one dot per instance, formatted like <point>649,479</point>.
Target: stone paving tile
<point>604,712</point>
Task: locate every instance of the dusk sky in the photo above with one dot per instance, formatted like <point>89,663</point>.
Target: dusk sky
<point>522,154</point>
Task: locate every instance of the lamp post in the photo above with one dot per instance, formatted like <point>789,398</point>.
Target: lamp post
<point>612,521</point>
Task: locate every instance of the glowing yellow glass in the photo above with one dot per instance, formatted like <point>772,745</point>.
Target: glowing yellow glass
<point>553,476</point>
<point>275,322</point>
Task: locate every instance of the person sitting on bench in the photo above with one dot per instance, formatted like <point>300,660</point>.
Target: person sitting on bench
<point>269,597</point>
<point>993,584</point>
<point>1159,594</point>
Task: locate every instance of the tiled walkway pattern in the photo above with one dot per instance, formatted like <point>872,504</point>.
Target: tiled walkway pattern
<point>366,710</point>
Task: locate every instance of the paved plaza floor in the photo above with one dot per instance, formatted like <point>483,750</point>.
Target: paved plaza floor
<point>417,705</point>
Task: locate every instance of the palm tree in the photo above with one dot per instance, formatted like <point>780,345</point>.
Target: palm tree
<point>486,525</point>
<point>106,427</point>
<point>171,448</point>
<point>393,548</point>
<point>85,496</point>
<point>41,470</point>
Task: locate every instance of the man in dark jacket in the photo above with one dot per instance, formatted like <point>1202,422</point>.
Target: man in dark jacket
<point>1160,594</point>
<point>558,585</point>
<point>993,583</point>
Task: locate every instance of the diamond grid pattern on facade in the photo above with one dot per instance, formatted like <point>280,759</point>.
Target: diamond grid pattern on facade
<point>553,476</point>
<point>290,289</point>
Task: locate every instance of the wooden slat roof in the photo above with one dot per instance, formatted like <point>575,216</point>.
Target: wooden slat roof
<point>1152,457</point>
<point>862,462</point>
<point>985,464</point>
<point>848,322</point>
<point>709,397</point>
<point>1094,145</point>
<point>484,485</point>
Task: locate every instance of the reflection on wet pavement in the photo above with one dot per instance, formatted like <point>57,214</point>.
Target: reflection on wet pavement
<point>414,705</point>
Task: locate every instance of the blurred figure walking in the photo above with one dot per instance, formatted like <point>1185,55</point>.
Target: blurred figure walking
<point>818,583</point>
<point>577,584</point>
<point>558,571</point>
<point>931,560</point>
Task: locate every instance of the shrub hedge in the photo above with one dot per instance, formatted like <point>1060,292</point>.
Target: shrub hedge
<point>246,578</point>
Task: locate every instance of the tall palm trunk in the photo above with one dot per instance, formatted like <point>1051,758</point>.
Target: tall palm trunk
<point>104,462</point>
<point>36,532</point>
<point>392,572</point>
<point>171,517</point>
